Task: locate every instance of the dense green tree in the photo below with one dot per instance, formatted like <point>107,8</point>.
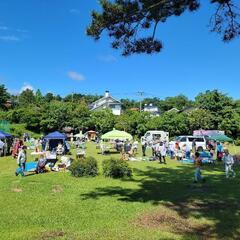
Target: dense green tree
<point>128,104</point>
<point>80,116</point>
<point>39,96</point>
<point>102,120</point>
<point>215,102</point>
<point>230,122</point>
<point>55,116</point>
<point>133,122</point>
<point>174,123</point>
<point>200,119</point>
<point>78,97</point>
<point>26,97</point>
<point>49,97</point>
<point>237,106</point>
<point>44,114</point>
<point>180,102</point>
<point>126,21</point>
<point>31,117</point>
<point>4,96</point>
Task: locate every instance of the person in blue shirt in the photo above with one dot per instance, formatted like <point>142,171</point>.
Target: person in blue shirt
<point>219,149</point>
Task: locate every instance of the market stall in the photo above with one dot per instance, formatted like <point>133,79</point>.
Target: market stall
<point>7,139</point>
<point>117,135</point>
<point>55,141</point>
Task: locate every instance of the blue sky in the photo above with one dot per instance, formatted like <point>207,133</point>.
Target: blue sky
<point>43,45</point>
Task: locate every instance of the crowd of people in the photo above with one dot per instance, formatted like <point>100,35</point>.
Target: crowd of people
<point>160,149</point>
<point>129,149</point>
<point>40,150</point>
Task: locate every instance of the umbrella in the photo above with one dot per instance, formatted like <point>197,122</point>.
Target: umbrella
<point>116,134</point>
<point>221,138</point>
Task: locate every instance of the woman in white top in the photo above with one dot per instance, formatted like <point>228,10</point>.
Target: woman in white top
<point>163,151</point>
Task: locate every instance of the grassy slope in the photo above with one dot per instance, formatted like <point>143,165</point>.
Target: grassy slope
<point>54,204</point>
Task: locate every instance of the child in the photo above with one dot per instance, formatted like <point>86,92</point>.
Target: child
<point>198,162</point>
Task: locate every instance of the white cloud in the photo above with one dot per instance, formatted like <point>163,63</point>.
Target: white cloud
<point>26,86</point>
<point>76,76</point>
<point>74,11</point>
<point>10,38</point>
<point>107,58</point>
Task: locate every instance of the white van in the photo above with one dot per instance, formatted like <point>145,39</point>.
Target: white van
<point>188,140</point>
<point>151,136</point>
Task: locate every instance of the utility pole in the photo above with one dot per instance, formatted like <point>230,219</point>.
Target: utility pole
<point>141,94</point>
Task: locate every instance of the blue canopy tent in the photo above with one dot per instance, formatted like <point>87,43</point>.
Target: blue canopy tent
<point>54,139</point>
<point>8,140</point>
<point>56,135</point>
<point>4,135</point>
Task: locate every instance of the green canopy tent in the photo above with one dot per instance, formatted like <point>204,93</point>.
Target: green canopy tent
<point>221,138</point>
<point>116,134</point>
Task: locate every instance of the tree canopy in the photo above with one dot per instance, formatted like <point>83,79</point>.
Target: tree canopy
<point>41,113</point>
<point>132,24</point>
<point>4,95</point>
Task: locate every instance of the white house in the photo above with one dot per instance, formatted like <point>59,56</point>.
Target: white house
<point>153,110</point>
<point>107,102</point>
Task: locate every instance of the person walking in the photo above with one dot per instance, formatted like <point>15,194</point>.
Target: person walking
<point>228,163</point>
<point>144,146</point>
<point>198,163</point>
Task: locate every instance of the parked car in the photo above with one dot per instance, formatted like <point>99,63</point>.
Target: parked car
<point>188,140</point>
<point>151,136</point>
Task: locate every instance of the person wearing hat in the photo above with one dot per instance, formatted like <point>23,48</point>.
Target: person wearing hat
<point>228,162</point>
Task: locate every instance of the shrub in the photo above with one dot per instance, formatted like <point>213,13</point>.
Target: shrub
<point>116,168</point>
<point>84,167</point>
<point>237,142</point>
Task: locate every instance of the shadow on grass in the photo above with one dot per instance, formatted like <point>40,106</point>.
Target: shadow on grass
<point>217,200</point>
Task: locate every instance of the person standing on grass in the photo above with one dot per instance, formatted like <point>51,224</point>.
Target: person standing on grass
<point>219,151</point>
<point>2,144</point>
<point>194,146</point>
<point>228,163</point>
<point>163,151</point>
<point>144,146</point>
<point>172,150</point>
<point>135,147</point>
<point>154,145</point>
<point>22,158</point>
<point>198,163</point>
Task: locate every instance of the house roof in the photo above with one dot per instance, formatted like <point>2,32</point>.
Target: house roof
<point>173,110</point>
<point>106,100</point>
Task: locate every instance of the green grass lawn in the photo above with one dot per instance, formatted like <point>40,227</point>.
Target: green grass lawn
<point>158,202</point>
